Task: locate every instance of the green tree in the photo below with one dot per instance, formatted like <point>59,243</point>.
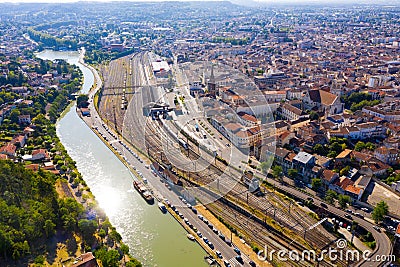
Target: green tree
<point>344,200</point>
<point>370,146</point>
<point>277,171</point>
<point>108,258</point>
<point>313,115</point>
<point>330,196</point>
<point>316,184</point>
<point>82,101</point>
<point>125,249</point>
<point>336,147</point>
<point>49,227</point>
<point>380,211</point>
<point>360,145</point>
<point>87,228</point>
<point>344,171</point>
<point>115,236</point>
<point>133,263</point>
<point>14,115</point>
<point>264,167</point>
<point>319,149</point>
<point>292,173</point>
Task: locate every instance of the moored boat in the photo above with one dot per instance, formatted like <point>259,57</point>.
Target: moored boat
<point>144,192</point>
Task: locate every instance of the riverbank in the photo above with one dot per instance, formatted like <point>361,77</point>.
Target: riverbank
<point>89,122</point>
<point>143,228</point>
<point>72,185</point>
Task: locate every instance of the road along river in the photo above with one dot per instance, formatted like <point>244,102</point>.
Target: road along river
<point>154,238</point>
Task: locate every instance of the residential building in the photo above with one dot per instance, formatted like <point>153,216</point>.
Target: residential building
<point>389,156</point>
<point>291,113</point>
<point>8,149</point>
<point>24,119</point>
<point>40,154</point>
<point>86,260</point>
<point>389,111</point>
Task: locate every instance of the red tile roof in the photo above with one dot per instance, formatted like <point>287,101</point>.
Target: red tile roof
<point>87,260</point>
<point>8,149</point>
<point>328,175</point>
<point>353,189</point>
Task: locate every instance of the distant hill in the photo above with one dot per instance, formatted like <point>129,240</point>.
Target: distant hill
<point>254,3</point>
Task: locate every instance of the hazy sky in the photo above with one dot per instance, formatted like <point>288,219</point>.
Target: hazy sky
<point>235,1</point>
<point>64,1</point>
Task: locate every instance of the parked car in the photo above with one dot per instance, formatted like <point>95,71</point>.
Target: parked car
<point>239,259</point>
<point>219,255</point>
<point>377,228</point>
<point>227,264</point>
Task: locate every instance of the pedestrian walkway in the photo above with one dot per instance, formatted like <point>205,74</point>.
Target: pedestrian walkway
<point>356,241</point>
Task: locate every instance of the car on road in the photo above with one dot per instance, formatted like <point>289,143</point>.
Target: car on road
<point>237,250</point>
<point>349,211</point>
<point>300,203</point>
<point>228,242</point>
<point>252,264</point>
<point>200,217</point>
<point>194,210</point>
<point>365,209</point>
<point>215,230</point>
<point>205,239</point>
<point>348,216</point>
<point>199,234</point>
<point>324,205</point>
<point>210,244</point>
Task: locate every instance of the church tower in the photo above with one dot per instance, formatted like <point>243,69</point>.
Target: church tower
<point>211,85</point>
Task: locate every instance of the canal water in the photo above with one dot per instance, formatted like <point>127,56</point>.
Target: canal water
<point>154,238</point>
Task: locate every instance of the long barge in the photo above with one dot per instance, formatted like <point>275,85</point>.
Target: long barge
<point>143,191</point>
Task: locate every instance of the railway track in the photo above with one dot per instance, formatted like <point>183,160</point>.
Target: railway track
<point>318,237</point>
<point>149,135</point>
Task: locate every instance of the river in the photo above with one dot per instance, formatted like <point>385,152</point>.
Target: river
<point>154,238</point>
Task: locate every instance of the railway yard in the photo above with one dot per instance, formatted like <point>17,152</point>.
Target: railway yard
<point>266,219</point>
